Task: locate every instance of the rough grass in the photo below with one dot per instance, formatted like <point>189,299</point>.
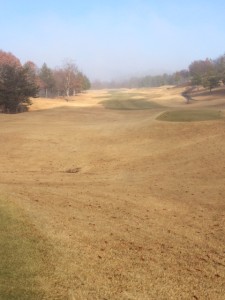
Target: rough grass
<point>190,115</point>
<point>23,256</point>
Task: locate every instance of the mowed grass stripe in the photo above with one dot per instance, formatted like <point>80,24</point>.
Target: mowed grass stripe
<point>190,115</point>
<point>127,101</point>
<point>24,256</point>
<point>130,104</point>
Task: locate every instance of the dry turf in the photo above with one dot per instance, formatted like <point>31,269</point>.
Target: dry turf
<point>102,203</point>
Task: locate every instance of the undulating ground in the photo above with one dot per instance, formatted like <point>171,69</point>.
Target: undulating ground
<point>101,198</point>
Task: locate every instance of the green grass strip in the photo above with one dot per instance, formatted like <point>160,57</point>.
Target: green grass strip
<point>128,101</point>
<point>23,256</point>
<point>132,104</point>
<point>190,115</point>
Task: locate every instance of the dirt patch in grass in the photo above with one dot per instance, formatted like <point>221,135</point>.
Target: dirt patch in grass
<point>73,170</point>
<point>190,115</point>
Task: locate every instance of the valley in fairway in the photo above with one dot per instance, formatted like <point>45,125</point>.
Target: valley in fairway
<point>102,199</point>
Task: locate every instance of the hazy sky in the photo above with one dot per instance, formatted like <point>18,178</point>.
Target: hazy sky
<point>114,38</point>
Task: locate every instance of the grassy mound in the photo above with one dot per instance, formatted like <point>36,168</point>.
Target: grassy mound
<point>23,256</point>
<point>190,115</point>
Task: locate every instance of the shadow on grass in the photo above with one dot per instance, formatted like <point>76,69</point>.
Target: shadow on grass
<point>220,92</point>
<point>190,115</point>
<point>23,257</point>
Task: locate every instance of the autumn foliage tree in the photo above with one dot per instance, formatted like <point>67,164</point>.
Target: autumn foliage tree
<point>69,81</point>
<point>17,83</point>
<point>58,75</point>
<point>64,81</point>
<point>70,72</point>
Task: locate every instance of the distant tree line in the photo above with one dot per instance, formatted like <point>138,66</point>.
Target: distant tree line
<point>177,78</point>
<point>207,73</point>
<point>20,82</point>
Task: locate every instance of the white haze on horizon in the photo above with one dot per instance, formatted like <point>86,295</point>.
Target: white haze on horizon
<point>118,40</point>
